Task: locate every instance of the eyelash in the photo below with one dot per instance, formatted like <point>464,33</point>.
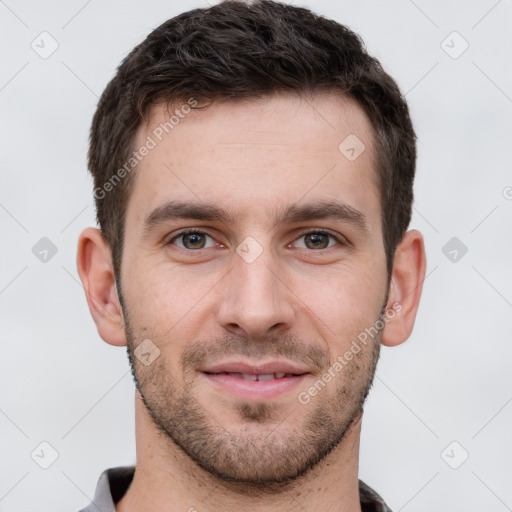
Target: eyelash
<point>191,231</point>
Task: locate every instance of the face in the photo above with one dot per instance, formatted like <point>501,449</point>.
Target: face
<point>253,258</point>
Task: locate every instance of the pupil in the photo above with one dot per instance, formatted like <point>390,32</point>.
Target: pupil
<point>194,240</point>
<point>316,239</point>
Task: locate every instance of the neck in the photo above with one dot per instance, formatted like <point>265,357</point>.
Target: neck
<point>167,479</point>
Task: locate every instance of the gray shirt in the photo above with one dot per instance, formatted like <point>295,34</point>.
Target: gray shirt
<point>114,483</point>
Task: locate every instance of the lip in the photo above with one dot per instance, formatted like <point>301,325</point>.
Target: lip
<point>219,376</point>
<point>254,390</point>
<point>255,368</point>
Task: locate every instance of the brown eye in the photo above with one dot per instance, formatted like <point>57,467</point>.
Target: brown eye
<point>317,240</point>
<point>192,240</point>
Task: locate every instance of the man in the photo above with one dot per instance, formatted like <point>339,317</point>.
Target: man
<point>253,171</point>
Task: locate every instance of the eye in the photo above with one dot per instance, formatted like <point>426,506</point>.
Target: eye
<point>318,240</point>
<point>192,239</point>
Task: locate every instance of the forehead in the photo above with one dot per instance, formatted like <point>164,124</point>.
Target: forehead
<point>252,156</point>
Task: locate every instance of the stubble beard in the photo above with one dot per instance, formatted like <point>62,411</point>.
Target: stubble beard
<point>262,452</point>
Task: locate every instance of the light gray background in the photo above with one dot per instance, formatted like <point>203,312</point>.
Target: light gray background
<point>451,381</point>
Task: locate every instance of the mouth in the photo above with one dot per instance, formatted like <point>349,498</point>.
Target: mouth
<point>256,376</point>
<point>255,381</point>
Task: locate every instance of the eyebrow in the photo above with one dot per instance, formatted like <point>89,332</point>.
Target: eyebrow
<point>294,213</point>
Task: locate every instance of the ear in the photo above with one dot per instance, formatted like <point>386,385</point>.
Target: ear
<point>407,278</point>
<point>96,272</point>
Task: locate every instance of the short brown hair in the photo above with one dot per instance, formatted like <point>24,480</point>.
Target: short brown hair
<point>242,50</point>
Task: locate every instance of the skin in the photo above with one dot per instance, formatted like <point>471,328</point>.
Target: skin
<point>253,158</point>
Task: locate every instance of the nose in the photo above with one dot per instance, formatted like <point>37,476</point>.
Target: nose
<point>256,301</point>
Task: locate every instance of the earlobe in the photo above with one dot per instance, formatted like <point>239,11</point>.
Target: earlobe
<point>406,284</point>
<point>98,279</point>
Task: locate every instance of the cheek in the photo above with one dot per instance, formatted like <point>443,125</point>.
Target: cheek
<point>167,300</point>
<point>341,304</point>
